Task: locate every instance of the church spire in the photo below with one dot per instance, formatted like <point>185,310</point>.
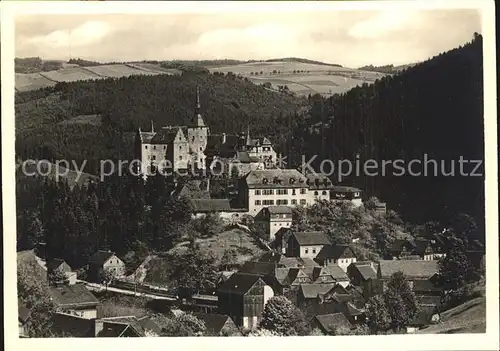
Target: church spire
<point>198,120</point>
<point>152,127</point>
<point>249,140</point>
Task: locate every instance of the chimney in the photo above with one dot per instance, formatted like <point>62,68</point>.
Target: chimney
<point>223,138</point>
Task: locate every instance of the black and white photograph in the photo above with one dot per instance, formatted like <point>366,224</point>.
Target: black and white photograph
<point>276,169</point>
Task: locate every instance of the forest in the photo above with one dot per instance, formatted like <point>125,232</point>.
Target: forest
<point>434,108</point>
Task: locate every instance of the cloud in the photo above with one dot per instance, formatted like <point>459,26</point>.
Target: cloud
<point>351,38</point>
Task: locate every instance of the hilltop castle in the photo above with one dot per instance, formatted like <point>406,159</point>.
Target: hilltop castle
<point>192,146</point>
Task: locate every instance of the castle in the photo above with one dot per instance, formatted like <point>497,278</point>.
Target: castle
<point>194,147</point>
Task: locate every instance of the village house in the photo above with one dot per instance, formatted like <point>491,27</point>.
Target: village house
<point>333,302</point>
<point>105,261</point>
<point>346,193</point>
<point>414,270</point>
<point>423,248</point>
<point>74,299</point>
<point>341,255</point>
<point>221,207</point>
<point>218,324</point>
<point>270,187</point>
<point>425,316</point>
<point>306,244</point>
<point>271,219</point>
<point>281,237</point>
<point>243,297</point>
<point>363,274</point>
<point>58,264</point>
<point>126,326</point>
<point>309,292</point>
<point>64,323</point>
<point>331,324</point>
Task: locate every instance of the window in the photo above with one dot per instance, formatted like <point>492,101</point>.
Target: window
<point>302,191</point>
<point>154,147</point>
<point>257,192</point>
<point>164,147</point>
<point>315,193</point>
<point>303,201</point>
<point>281,191</point>
<point>294,202</point>
<point>314,250</point>
<point>180,157</point>
<point>180,147</point>
<point>201,149</point>
<point>267,202</point>
<point>324,192</point>
<point>268,192</point>
<point>275,224</point>
<point>281,202</point>
<point>257,202</point>
<point>146,147</point>
<point>294,192</point>
<point>153,157</point>
<point>306,251</point>
<point>192,139</point>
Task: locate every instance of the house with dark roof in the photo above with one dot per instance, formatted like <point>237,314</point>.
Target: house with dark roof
<point>309,292</point>
<point>192,189</point>
<point>425,316</point>
<point>332,324</point>
<point>363,274</point>
<point>403,248</point>
<point>58,264</point>
<point>271,219</point>
<point>223,207</point>
<point>218,324</point>
<point>23,315</point>
<point>243,297</point>
<point>105,261</point>
<point>74,299</point>
<point>126,326</point>
<point>306,244</point>
<point>72,325</point>
<point>415,271</point>
<point>341,255</point>
<point>346,193</point>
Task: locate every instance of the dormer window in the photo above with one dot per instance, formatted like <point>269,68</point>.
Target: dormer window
<point>264,180</point>
<point>292,180</point>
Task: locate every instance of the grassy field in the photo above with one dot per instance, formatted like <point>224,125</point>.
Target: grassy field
<point>83,119</point>
<point>302,78</point>
<point>71,73</point>
<point>244,243</point>
<point>469,317</point>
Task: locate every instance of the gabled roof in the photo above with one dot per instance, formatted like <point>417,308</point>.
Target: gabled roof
<point>276,178</point>
<point>367,272</point>
<point>56,263</point>
<point>290,262</point>
<point>411,268</point>
<point>76,295</point>
<point>311,238</point>
<point>116,326</point>
<point>211,205</point>
<point>213,322</point>
<point>335,252</point>
<point>239,283</point>
<point>336,272</point>
<point>425,286</point>
<point>311,291</point>
<point>146,137</point>
<point>331,322</point>
<point>100,257</point>
<point>318,181</point>
<point>167,135</point>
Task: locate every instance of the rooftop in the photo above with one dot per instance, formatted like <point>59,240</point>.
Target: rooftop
<point>239,283</point>
<point>411,268</point>
<point>331,322</point>
<point>311,238</point>
<point>211,205</point>
<point>335,252</point>
<point>345,189</point>
<point>276,178</point>
<point>100,257</point>
<point>311,291</point>
<point>75,295</point>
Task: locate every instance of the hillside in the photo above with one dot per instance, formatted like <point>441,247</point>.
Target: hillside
<point>46,126</point>
<point>469,317</point>
<point>301,76</point>
<point>431,111</point>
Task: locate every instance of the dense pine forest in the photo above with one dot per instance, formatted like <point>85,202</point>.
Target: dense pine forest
<point>433,108</point>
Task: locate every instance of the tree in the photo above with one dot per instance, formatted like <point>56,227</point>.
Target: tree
<point>400,301</point>
<point>454,269</point>
<point>229,258</point>
<point>263,332</point>
<point>377,314</point>
<point>183,325</point>
<point>58,277</point>
<point>209,225</point>
<point>34,294</point>
<point>106,276</point>
<point>283,317</point>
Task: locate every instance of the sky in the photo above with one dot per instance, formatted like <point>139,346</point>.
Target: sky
<point>350,38</point>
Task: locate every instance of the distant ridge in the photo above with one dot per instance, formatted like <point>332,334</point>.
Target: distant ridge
<point>302,60</point>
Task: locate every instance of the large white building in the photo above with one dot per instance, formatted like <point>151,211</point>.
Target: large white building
<point>274,187</point>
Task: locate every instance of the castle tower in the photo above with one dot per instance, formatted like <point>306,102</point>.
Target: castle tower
<point>197,135</point>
